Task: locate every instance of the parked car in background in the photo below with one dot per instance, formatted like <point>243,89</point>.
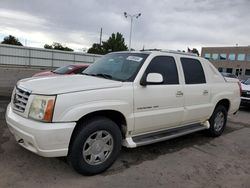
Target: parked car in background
<point>229,75</point>
<point>245,95</point>
<point>69,69</point>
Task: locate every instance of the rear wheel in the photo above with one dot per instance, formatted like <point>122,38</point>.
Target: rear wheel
<point>217,121</point>
<point>96,146</point>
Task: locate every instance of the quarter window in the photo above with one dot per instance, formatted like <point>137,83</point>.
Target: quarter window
<point>166,66</point>
<point>193,71</point>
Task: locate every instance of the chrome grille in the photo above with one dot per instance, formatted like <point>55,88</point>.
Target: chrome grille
<point>20,99</point>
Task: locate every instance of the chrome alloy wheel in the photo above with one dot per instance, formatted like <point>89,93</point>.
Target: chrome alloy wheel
<point>219,121</point>
<point>98,147</point>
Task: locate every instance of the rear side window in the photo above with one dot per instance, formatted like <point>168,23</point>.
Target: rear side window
<point>166,66</point>
<point>193,71</point>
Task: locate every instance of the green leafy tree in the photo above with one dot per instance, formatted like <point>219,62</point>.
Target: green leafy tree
<point>195,51</point>
<point>116,42</point>
<point>96,49</point>
<point>11,40</point>
<point>57,46</point>
<point>48,46</point>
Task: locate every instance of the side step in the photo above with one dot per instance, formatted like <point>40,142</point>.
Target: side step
<point>166,135</point>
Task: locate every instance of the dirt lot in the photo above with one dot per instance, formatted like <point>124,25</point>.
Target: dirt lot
<point>190,161</point>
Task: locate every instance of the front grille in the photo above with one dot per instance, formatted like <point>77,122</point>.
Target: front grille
<point>20,100</point>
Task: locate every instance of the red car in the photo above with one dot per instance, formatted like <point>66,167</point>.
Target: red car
<point>69,69</point>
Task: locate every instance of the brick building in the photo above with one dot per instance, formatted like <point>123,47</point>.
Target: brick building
<point>234,60</point>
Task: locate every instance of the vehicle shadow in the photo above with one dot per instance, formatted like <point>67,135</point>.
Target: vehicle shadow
<point>135,156</point>
<point>131,157</point>
<point>245,108</point>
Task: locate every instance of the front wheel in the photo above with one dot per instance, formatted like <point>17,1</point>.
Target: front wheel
<point>96,146</point>
<point>217,121</point>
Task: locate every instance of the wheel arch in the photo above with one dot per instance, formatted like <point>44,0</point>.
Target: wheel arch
<point>223,102</point>
<point>113,115</point>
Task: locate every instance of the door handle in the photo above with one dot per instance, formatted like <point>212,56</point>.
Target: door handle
<point>205,92</point>
<point>179,94</point>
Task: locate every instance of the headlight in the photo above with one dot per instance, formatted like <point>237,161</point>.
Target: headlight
<point>42,108</point>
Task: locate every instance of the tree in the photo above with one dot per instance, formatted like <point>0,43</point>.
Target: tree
<point>11,40</point>
<point>115,43</point>
<point>57,46</point>
<point>96,49</point>
<point>194,51</point>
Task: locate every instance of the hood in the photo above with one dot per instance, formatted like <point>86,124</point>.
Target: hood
<point>65,84</point>
<point>245,87</point>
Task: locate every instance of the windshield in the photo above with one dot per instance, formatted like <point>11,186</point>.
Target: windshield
<point>63,70</point>
<point>117,66</point>
<point>247,82</point>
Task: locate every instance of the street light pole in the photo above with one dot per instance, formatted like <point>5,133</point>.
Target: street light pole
<point>131,25</point>
<point>130,33</point>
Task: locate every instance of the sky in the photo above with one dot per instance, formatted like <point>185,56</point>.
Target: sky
<point>164,24</point>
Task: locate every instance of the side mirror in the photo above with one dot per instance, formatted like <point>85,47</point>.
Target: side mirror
<point>152,78</point>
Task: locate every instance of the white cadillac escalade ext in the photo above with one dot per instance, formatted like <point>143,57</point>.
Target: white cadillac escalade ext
<point>124,99</point>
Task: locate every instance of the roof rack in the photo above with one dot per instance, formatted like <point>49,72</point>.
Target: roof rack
<point>171,51</point>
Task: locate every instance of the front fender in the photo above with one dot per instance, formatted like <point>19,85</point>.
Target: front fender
<point>74,113</point>
<point>73,106</point>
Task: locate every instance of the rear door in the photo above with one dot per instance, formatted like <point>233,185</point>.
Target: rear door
<point>196,91</point>
<point>159,106</point>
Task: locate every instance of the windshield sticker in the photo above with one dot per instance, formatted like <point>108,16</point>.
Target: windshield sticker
<point>134,58</point>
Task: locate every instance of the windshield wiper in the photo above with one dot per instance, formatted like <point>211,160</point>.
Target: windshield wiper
<point>107,76</point>
<point>103,75</point>
<point>83,73</point>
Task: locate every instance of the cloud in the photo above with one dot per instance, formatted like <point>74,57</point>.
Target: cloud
<point>164,24</point>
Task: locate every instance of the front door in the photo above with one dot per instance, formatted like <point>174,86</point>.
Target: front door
<point>161,106</point>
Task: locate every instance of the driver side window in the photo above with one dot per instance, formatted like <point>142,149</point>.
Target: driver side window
<point>166,66</point>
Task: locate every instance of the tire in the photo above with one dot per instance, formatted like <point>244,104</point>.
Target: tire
<point>217,121</point>
<point>96,146</point>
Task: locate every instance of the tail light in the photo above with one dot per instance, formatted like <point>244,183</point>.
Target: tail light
<point>240,88</point>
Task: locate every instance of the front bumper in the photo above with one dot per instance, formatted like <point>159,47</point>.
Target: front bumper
<point>44,139</point>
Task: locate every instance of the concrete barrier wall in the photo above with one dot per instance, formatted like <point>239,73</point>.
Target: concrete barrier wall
<point>10,75</point>
<point>18,62</point>
<point>27,56</point>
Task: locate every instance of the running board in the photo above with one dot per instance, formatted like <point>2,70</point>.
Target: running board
<point>166,135</point>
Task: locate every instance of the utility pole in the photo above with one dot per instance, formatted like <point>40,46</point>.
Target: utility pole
<point>131,25</point>
<point>101,37</point>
